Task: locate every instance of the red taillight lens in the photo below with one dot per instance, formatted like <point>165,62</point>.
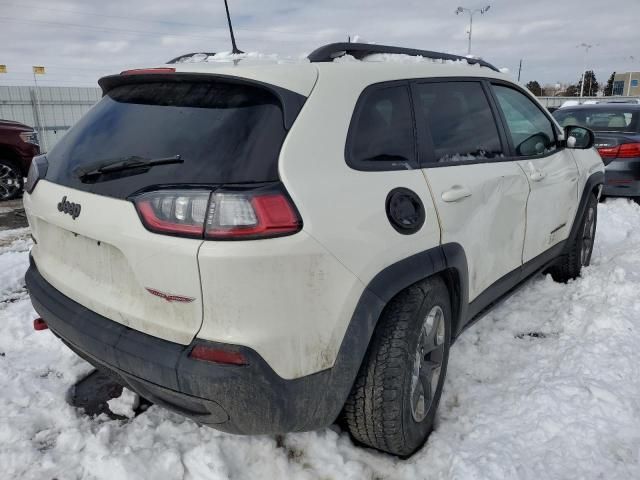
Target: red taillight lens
<point>210,354</point>
<point>144,71</point>
<point>608,152</point>
<point>221,215</point>
<point>626,150</point>
<point>629,150</point>
<point>247,215</point>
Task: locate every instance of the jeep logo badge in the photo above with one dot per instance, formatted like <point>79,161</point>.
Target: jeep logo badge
<point>70,208</point>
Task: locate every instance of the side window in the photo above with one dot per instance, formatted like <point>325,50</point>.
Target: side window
<point>382,133</point>
<point>459,121</point>
<point>531,131</point>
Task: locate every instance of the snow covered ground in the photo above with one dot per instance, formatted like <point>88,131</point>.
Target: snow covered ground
<point>547,385</point>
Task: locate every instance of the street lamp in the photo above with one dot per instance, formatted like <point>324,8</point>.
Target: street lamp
<point>586,47</point>
<point>471,11</point>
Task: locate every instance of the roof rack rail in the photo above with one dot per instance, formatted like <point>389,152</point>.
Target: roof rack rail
<point>189,55</point>
<point>328,53</point>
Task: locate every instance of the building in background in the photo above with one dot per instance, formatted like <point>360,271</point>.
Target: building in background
<point>626,84</point>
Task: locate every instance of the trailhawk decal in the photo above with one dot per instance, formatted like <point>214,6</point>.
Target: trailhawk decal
<point>168,297</point>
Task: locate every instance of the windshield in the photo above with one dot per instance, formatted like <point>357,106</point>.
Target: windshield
<point>222,133</point>
<point>600,119</point>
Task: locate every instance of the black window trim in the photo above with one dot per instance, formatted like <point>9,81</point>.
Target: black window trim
<point>422,143</point>
<point>355,117</point>
<point>503,130</point>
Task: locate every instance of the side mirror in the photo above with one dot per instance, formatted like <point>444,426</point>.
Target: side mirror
<point>579,138</point>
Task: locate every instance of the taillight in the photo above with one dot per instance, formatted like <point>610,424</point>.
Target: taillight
<point>174,212</point>
<point>244,215</point>
<point>625,150</point>
<point>608,152</point>
<point>629,150</point>
<point>219,215</point>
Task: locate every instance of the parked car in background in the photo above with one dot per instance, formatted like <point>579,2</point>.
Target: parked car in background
<point>18,145</point>
<point>617,131</point>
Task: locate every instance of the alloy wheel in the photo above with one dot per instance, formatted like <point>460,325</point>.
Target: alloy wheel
<point>10,182</point>
<point>427,364</point>
<point>588,235</point>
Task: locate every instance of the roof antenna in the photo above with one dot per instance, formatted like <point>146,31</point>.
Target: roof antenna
<point>234,47</point>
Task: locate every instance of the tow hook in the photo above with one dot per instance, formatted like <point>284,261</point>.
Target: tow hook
<point>40,324</point>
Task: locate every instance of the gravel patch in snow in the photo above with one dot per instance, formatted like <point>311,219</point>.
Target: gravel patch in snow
<point>546,385</point>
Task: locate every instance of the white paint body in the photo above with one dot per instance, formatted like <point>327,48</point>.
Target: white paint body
<point>292,298</point>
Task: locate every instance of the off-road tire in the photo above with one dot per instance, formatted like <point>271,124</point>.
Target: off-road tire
<point>569,265</point>
<point>9,171</point>
<point>379,411</point>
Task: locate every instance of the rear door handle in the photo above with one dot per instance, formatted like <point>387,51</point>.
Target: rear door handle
<point>456,193</point>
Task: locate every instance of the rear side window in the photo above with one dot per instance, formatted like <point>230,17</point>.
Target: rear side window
<point>223,132</point>
<point>531,131</point>
<point>459,121</point>
<point>382,133</point>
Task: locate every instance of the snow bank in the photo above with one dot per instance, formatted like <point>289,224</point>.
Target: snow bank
<point>545,386</point>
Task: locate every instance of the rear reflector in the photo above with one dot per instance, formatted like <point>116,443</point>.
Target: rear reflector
<point>144,71</point>
<point>40,324</point>
<point>209,354</point>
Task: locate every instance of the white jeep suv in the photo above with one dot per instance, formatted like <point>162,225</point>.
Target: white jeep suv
<point>270,248</point>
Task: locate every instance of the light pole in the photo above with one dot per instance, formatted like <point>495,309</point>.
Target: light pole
<point>471,11</point>
<point>586,47</point>
<point>633,59</point>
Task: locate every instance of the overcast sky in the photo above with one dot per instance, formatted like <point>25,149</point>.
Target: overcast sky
<point>80,40</point>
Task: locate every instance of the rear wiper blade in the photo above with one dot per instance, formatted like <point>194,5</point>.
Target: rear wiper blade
<point>122,164</point>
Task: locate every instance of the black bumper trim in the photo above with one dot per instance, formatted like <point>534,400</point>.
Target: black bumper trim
<point>249,399</point>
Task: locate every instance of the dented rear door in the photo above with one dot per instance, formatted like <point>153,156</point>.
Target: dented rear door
<point>480,195</point>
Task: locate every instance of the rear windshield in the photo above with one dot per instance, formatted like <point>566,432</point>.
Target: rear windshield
<point>223,132</point>
<point>600,119</point>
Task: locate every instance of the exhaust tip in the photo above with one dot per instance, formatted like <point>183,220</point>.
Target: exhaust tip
<point>40,324</point>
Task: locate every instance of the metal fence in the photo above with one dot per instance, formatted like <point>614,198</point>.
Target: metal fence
<point>50,110</point>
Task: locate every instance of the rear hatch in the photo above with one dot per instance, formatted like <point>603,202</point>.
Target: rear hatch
<point>202,131</point>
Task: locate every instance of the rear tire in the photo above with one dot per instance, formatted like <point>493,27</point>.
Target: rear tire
<point>11,180</point>
<point>570,264</point>
<point>394,399</point>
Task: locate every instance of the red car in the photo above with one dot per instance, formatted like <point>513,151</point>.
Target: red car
<point>18,145</point>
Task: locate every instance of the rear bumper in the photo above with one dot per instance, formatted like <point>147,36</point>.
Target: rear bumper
<point>250,399</point>
<point>622,178</point>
